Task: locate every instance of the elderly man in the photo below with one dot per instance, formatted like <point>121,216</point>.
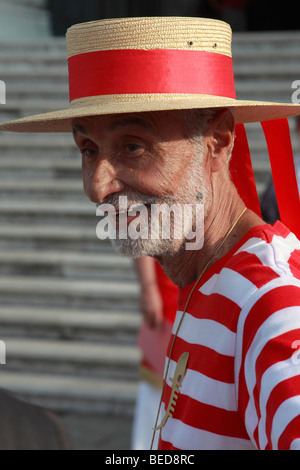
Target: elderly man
<point>154,114</point>
<point>150,161</point>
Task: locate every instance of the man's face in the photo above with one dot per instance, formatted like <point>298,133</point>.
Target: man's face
<point>146,157</point>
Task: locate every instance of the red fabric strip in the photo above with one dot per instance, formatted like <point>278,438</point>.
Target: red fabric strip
<point>290,433</point>
<point>209,418</point>
<point>219,366</point>
<point>242,172</point>
<point>218,308</point>
<point>283,391</point>
<point>278,139</point>
<point>164,445</point>
<point>152,71</point>
<point>250,267</point>
<point>169,293</point>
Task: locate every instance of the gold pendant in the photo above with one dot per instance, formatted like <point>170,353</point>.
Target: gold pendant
<point>176,384</point>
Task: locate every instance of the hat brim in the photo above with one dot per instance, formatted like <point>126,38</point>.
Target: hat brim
<point>61,121</point>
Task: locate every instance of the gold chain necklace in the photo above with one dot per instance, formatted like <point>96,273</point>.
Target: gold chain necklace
<point>184,312</point>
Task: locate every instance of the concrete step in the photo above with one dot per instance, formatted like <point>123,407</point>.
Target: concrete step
<point>273,55</point>
<point>64,189</point>
<point>73,265</point>
<point>35,73</point>
<point>280,91</point>
<point>17,91</point>
<point>40,147</point>
<point>262,40</point>
<point>43,141</point>
<point>72,293</point>
<point>86,359</point>
<point>31,210</point>
<point>44,45</point>
<point>40,236</point>
<point>21,166</point>
<point>15,58</point>
<point>15,109</point>
<point>101,326</point>
<point>68,394</point>
<point>275,71</point>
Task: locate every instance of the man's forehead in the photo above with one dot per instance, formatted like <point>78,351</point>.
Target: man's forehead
<point>148,121</point>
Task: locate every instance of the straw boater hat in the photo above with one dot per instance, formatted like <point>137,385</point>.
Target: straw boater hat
<point>155,64</point>
<point>149,64</point>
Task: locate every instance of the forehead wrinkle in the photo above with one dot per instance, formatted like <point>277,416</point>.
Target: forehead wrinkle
<point>130,121</point>
<point>118,122</point>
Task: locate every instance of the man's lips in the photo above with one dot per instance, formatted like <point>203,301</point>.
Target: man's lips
<point>131,213</point>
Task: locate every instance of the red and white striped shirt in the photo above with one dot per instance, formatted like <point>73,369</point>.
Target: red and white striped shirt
<point>241,389</point>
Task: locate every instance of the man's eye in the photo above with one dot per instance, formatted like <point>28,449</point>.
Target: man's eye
<point>89,152</point>
<point>133,148</point>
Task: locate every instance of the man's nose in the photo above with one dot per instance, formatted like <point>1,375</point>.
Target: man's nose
<point>102,181</point>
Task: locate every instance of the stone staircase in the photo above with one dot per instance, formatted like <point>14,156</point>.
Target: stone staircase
<point>68,308</point>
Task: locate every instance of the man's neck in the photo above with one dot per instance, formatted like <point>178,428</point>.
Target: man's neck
<point>185,267</point>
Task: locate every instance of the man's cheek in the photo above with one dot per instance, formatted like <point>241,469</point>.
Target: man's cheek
<point>89,185</point>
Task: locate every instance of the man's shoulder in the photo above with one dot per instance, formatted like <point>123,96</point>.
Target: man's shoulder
<point>269,248</point>
<point>269,256</point>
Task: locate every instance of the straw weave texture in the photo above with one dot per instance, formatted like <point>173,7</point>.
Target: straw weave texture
<point>61,121</point>
<point>199,34</point>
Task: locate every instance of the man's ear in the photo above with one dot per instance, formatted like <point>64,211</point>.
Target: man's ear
<point>220,135</point>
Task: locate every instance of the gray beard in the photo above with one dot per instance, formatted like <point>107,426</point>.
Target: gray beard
<point>189,193</point>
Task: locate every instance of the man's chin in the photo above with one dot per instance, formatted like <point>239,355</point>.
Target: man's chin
<point>133,248</point>
<point>139,247</point>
